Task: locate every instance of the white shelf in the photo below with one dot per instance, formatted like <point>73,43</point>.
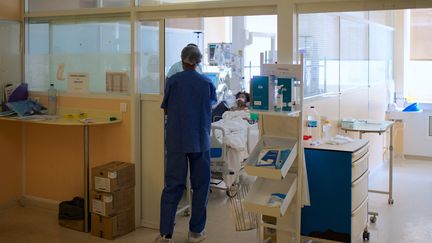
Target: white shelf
<point>260,193</point>
<point>267,171</point>
<point>275,113</point>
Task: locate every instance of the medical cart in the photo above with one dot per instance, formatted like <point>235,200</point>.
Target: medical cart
<point>279,129</point>
<point>338,187</point>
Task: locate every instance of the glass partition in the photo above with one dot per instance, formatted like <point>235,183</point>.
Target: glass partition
<point>49,5</point>
<point>149,81</point>
<point>231,47</point>
<point>150,2</point>
<point>354,54</point>
<point>321,52</point>
<point>99,49</point>
<point>380,54</point>
<point>344,51</point>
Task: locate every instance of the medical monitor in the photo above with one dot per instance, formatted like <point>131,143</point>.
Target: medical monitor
<point>214,77</point>
<point>218,52</point>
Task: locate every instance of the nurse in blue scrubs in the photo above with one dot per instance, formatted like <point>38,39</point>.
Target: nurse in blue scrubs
<point>188,101</point>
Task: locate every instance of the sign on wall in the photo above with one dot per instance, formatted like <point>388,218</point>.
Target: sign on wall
<point>78,83</point>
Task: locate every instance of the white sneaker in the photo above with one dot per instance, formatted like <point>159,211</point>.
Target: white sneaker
<point>162,239</point>
<point>197,237</point>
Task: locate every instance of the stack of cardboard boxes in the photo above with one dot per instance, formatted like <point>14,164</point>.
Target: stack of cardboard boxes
<point>112,200</point>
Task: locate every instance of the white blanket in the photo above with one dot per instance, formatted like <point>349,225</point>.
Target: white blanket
<point>236,141</point>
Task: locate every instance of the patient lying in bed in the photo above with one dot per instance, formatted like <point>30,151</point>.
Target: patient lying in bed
<point>240,137</point>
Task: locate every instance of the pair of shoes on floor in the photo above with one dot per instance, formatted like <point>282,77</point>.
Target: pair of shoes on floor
<point>192,238</point>
<point>163,239</point>
<point>196,237</point>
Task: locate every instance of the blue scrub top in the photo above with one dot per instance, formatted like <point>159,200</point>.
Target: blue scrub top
<point>188,98</point>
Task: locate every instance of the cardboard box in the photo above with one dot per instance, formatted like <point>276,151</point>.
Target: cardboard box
<point>108,204</point>
<point>113,227</point>
<point>113,176</point>
<point>72,224</point>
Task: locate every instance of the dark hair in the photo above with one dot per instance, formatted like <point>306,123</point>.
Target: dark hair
<point>192,44</point>
<point>191,55</point>
<point>245,93</point>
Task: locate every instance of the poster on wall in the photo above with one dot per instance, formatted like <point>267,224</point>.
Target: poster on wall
<point>78,83</point>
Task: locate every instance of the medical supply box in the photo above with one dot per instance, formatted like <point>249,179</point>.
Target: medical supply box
<point>287,92</point>
<point>108,204</point>
<point>262,92</point>
<point>113,176</point>
<point>113,227</point>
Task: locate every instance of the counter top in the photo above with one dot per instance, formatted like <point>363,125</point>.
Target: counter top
<point>60,121</point>
<point>370,126</point>
<point>348,147</point>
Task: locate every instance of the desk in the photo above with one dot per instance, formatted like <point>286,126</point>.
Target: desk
<point>86,136</point>
<point>378,127</point>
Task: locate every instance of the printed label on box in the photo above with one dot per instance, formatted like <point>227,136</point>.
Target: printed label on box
<point>98,207</point>
<point>257,103</point>
<point>102,184</point>
<point>112,175</point>
<point>107,199</point>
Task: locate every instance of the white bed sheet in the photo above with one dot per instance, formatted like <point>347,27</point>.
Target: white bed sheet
<point>238,133</point>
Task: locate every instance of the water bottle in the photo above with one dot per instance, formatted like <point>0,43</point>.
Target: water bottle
<point>312,127</point>
<point>52,100</point>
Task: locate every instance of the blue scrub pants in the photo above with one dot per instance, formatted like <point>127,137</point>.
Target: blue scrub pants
<point>175,184</point>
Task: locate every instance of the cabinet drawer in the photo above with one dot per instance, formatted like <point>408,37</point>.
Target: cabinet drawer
<point>359,153</point>
<point>359,190</point>
<point>359,167</point>
<point>359,220</point>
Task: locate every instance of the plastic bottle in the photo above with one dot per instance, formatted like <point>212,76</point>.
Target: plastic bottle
<point>279,98</point>
<point>326,129</point>
<point>52,100</point>
<point>312,126</point>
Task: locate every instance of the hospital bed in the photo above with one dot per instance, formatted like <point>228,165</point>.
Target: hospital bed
<point>232,138</point>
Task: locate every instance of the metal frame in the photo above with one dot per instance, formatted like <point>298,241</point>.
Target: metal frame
<point>388,127</point>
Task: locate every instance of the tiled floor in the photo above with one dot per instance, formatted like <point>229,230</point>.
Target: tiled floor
<point>408,220</point>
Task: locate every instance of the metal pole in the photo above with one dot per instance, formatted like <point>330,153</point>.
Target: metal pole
<point>390,200</point>
<point>86,178</point>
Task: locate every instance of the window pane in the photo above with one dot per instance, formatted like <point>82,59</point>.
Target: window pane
<point>146,2</point>
<point>97,48</point>
<point>262,32</point>
<point>319,38</point>
<point>382,17</point>
<point>50,5</point>
<point>421,34</point>
<point>354,54</point>
<point>10,56</point>
<point>150,81</point>
<point>419,67</point>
